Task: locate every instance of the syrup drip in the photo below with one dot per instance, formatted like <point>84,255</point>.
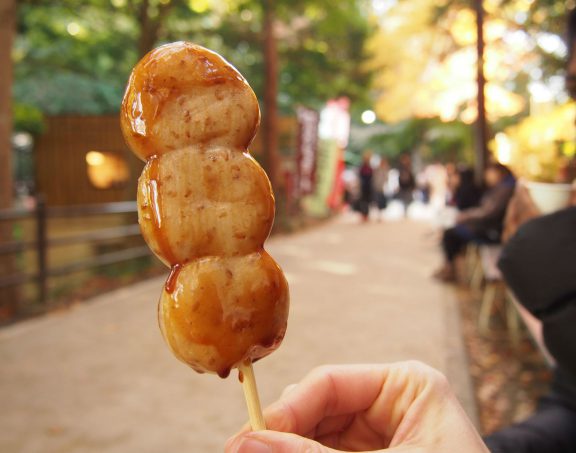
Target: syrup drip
<point>154,201</point>
<point>170,284</point>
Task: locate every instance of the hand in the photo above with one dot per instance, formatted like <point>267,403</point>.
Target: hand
<point>404,407</point>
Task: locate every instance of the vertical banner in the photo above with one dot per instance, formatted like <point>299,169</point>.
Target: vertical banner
<point>335,125</point>
<point>335,121</point>
<point>333,131</point>
<point>307,151</point>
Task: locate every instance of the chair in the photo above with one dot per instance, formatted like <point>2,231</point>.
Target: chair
<point>473,266</point>
<point>494,291</point>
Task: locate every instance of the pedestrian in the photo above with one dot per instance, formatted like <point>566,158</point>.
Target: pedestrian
<point>365,174</point>
<point>406,182</point>
<point>379,184</point>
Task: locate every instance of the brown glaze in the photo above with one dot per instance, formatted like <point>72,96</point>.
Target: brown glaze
<point>170,284</point>
<point>205,207</point>
<point>225,311</point>
<point>205,210</point>
<point>150,210</point>
<point>201,86</point>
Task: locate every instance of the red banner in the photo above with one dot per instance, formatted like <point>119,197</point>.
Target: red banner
<point>307,151</point>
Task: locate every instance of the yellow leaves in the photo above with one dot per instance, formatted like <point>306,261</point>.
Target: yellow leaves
<point>199,6</point>
<point>501,102</point>
<point>522,5</point>
<point>426,66</point>
<point>464,27</point>
<point>535,149</point>
<point>494,30</point>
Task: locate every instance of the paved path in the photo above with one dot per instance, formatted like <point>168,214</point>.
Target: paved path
<point>98,378</point>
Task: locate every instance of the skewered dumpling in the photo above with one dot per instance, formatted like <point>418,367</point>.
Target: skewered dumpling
<point>205,207</point>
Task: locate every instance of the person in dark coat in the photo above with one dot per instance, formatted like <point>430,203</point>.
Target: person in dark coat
<point>365,174</point>
<point>467,193</point>
<point>379,182</point>
<point>483,224</point>
<point>539,266</point>
<point>406,182</point>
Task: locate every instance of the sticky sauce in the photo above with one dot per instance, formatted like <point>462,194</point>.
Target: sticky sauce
<point>224,372</point>
<point>153,85</point>
<point>170,284</point>
<point>154,204</point>
<point>197,315</point>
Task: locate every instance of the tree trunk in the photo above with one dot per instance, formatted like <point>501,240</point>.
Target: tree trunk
<point>481,123</point>
<point>270,117</point>
<point>7,19</point>
<point>148,30</point>
<point>150,26</point>
<point>8,296</point>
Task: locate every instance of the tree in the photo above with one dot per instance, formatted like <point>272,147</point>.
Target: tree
<point>8,296</point>
<point>426,58</point>
<point>75,57</point>
<point>434,139</point>
<point>270,120</point>
<point>7,25</point>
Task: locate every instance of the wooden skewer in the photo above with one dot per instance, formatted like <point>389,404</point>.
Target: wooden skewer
<point>251,395</point>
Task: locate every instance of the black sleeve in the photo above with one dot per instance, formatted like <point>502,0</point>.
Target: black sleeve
<point>539,266</point>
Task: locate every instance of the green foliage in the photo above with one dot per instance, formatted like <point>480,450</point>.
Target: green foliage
<point>433,139</point>
<point>27,118</point>
<point>75,57</point>
<point>72,58</point>
<point>448,142</point>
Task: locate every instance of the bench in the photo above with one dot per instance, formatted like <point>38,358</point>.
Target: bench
<point>481,263</point>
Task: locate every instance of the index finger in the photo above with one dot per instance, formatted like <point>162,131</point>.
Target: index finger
<point>339,390</point>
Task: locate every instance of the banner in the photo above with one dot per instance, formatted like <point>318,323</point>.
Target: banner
<point>307,150</point>
<point>335,121</point>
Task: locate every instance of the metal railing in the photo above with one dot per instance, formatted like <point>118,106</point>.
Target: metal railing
<point>42,242</point>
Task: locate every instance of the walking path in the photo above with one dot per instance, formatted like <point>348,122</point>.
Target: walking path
<point>98,377</point>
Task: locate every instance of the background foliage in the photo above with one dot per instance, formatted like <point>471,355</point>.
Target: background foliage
<point>75,57</point>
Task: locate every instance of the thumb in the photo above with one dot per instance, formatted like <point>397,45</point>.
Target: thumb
<point>274,442</point>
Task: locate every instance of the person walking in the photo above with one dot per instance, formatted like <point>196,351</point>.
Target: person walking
<point>365,174</point>
<point>406,182</point>
<point>379,182</point>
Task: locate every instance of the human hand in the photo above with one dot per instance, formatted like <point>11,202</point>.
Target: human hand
<point>404,407</point>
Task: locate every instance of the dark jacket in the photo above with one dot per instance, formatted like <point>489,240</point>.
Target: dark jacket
<point>487,220</point>
<point>468,194</point>
<point>366,174</point>
<point>406,181</point>
<point>539,265</point>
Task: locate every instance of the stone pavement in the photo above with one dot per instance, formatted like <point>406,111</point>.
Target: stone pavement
<point>98,378</point>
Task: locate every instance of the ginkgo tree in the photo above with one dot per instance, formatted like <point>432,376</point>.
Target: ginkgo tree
<point>424,57</point>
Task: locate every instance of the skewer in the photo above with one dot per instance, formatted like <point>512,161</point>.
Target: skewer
<point>251,395</point>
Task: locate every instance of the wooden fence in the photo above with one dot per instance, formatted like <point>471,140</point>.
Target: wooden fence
<point>42,242</point>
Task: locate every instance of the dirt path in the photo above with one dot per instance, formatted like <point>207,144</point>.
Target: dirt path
<point>98,378</point>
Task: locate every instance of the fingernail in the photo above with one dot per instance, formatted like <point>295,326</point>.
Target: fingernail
<point>251,445</point>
